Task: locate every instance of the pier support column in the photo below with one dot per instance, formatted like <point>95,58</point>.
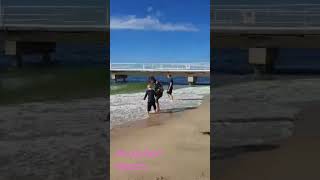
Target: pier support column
<point>192,80</point>
<point>263,61</point>
<point>10,49</point>
<point>115,77</point>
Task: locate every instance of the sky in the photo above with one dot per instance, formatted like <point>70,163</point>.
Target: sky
<point>159,31</point>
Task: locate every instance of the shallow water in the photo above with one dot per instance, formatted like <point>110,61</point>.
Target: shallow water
<point>131,107</point>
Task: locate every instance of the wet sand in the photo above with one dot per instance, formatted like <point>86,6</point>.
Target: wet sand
<point>54,140</point>
<point>255,155</point>
<point>181,136</point>
<point>295,159</point>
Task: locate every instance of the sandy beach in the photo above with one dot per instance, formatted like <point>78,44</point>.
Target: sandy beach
<point>295,159</point>
<point>181,137</point>
<point>266,129</point>
<point>54,140</point>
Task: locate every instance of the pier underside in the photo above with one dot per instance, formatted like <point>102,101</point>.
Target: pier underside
<point>19,43</point>
<point>245,40</point>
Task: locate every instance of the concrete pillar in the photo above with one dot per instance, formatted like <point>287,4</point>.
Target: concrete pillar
<point>115,77</point>
<point>262,59</point>
<point>192,80</point>
<point>10,48</point>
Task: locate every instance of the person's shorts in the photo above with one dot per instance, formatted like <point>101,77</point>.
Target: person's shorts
<point>169,91</point>
<point>158,96</point>
<point>151,104</point>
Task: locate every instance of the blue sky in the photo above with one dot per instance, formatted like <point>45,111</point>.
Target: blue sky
<point>160,31</point>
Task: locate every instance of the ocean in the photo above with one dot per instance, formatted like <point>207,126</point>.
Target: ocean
<point>288,61</point>
<point>131,107</point>
<point>177,80</point>
<point>223,60</point>
<point>226,60</point>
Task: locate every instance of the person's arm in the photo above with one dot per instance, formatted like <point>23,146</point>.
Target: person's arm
<point>145,96</point>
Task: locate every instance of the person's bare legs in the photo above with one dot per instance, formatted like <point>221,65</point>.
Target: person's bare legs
<point>158,107</point>
<point>155,108</point>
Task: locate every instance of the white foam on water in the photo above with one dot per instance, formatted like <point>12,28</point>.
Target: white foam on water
<point>131,107</point>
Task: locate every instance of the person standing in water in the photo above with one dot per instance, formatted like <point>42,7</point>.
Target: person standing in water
<point>170,87</point>
<point>159,91</point>
<point>150,93</point>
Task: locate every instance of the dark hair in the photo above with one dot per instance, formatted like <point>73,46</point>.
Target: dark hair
<point>169,75</point>
<point>152,78</point>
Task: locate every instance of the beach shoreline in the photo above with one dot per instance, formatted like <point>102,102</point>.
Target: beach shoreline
<point>286,161</point>
<point>153,119</point>
<point>266,128</point>
<point>130,107</point>
<point>181,136</point>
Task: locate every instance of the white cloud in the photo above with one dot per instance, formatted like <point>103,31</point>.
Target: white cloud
<point>132,22</point>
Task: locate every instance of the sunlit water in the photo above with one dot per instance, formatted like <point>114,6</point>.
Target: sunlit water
<point>131,107</point>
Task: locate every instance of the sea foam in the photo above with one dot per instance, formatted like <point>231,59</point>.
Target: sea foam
<point>131,107</point>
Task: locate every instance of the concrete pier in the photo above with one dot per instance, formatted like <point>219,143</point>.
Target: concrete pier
<point>190,70</point>
<point>18,49</point>
<point>10,47</point>
<point>116,77</point>
<point>192,80</point>
<point>263,60</point>
<point>27,33</point>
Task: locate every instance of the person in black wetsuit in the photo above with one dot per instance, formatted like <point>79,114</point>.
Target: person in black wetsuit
<point>150,93</point>
<point>170,87</point>
<point>159,91</point>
